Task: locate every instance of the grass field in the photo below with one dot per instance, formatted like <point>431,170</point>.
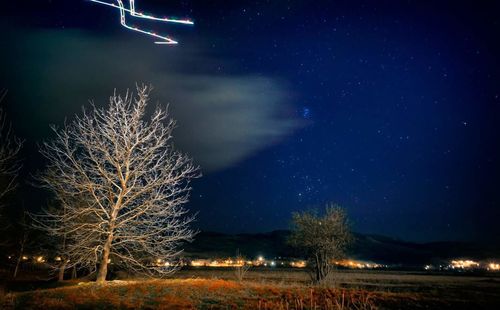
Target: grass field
<point>269,289</point>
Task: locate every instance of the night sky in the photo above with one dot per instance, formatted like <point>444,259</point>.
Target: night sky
<point>389,108</point>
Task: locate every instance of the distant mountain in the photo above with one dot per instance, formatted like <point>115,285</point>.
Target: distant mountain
<point>392,251</point>
<point>375,248</point>
<point>213,244</point>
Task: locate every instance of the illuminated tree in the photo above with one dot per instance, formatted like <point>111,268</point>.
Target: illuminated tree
<point>121,187</point>
<point>322,239</point>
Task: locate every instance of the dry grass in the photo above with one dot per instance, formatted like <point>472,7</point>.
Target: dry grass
<point>269,290</point>
<point>193,294</point>
<point>373,280</point>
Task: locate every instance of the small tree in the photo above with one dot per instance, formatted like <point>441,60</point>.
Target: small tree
<point>241,267</point>
<point>321,239</point>
<point>121,187</point>
<point>56,242</point>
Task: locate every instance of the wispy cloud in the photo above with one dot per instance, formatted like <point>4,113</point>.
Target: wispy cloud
<point>222,118</point>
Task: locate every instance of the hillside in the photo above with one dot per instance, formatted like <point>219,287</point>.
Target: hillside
<point>376,248</point>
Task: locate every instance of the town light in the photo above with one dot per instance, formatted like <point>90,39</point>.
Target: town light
<point>493,266</point>
<point>357,264</point>
<point>298,264</point>
<point>464,264</point>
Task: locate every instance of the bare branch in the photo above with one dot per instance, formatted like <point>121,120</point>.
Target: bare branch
<point>10,146</point>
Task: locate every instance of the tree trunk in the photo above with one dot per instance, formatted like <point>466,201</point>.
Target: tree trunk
<point>73,273</point>
<point>61,271</point>
<point>103,267</point>
<point>21,253</point>
<point>17,266</point>
<point>317,275</point>
<point>321,267</point>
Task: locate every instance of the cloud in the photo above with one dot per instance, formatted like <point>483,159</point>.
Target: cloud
<point>222,118</point>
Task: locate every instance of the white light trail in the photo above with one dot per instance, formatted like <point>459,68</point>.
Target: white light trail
<point>134,13</point>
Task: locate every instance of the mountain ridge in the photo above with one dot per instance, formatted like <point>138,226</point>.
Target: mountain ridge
<point>366,247</point>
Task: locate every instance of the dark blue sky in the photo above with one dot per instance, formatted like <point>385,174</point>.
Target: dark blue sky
<point>389,108</point>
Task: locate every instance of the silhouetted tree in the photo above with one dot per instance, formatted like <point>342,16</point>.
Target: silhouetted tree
<point>56,243</point>
<point>10,146</point>
<point>322,239</point>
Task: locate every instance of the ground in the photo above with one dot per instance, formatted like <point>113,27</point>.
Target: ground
<point>267,289</point>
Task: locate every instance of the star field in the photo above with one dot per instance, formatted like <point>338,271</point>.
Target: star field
<point>395,109</point>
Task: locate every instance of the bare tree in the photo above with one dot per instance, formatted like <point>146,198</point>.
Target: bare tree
<point>56,241</point>
<point>10,146</point>
<point>241,267</point>
<point>321,238</point>
<point>122,188</point>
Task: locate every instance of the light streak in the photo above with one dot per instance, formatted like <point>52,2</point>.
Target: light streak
<point>132,11</point>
